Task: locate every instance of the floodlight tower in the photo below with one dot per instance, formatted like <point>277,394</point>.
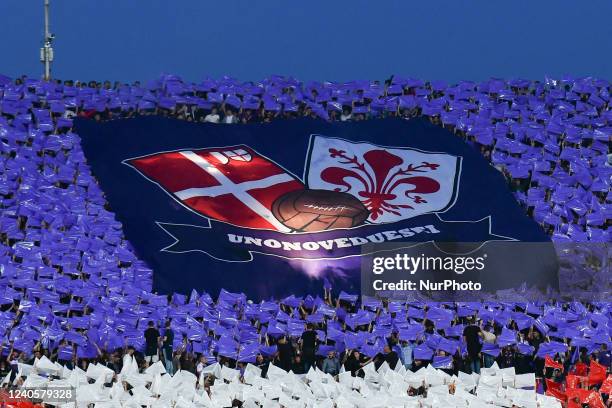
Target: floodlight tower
<point>46,52</point>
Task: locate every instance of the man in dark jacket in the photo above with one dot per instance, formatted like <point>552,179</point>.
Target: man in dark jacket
<point>354,363</point>
<point>285,354</point>
<point>471,336</point>
<point>168,340</point>
<point>390,357</point>
<point>309,344</point>
<point>151,343</point>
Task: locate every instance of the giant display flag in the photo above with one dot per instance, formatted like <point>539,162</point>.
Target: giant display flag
<point>274,209</point>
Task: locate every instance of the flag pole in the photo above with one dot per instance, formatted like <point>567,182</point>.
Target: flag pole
<point>46,53</point>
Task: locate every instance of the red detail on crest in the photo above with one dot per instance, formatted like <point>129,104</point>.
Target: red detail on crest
<point>233,191</point>
<point>378,188</point>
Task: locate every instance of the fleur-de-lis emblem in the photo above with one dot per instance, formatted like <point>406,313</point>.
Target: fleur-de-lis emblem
<point>380,178</point>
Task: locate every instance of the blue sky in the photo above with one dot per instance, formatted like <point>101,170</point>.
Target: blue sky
<point>312,39</point>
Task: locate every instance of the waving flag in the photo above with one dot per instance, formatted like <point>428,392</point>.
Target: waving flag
<point>278,209</point>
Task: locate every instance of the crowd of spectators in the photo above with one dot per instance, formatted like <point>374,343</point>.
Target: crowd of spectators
<point>342,334</point>
<point>72,289</point>
<point>550,139</point>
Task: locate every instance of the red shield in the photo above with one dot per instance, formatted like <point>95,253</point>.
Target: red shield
<point>232,184</point>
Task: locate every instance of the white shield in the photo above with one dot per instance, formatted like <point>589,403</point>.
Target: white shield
<point>394,183</point>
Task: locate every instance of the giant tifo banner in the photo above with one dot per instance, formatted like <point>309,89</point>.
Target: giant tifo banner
<point>280,208</point>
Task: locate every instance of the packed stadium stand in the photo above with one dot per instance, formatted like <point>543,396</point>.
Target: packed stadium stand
<point>76,302</point>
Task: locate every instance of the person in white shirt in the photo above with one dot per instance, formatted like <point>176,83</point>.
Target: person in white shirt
<point>201,365</point>
<point>69,114</point>
<point>346,115</point>
<point>129,362</point>
<point>212,117</point>
<point>128,357</point>
<point>229,117</point>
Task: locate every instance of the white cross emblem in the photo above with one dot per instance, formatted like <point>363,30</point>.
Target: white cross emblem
<point>238,190</point>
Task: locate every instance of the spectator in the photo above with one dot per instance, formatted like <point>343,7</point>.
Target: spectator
<point>5,369</point>
<point>309,343</point>
<point>429,326</point>
<point>488,337</point>
<point>406,354</point>
<point>471,336</point>
<point>229,116</point>
<point>187,363</point>
<point>389,356</point>
<point>508,357</point>
<point>604,357</point>
<point>128,357</point>
<point>168,341</point>
<point>285,354</point>
<point>298,365</point>
<point>346,115</point>
<point>176,361</point>
<point>354,363</point>
<point>14,364</point>
<point>36,356</point>
<point>262,364</point>
<point>114,362</point>
<point>213,116</point>
<point>151,343</point>
<point>534,337</point>
<point>331,365</point>
<point>202,362</point>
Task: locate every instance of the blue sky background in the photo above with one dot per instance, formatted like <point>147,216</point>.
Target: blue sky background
<point>312,39</point>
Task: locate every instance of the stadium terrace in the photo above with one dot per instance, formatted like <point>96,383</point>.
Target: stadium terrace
<point>77,306</point>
